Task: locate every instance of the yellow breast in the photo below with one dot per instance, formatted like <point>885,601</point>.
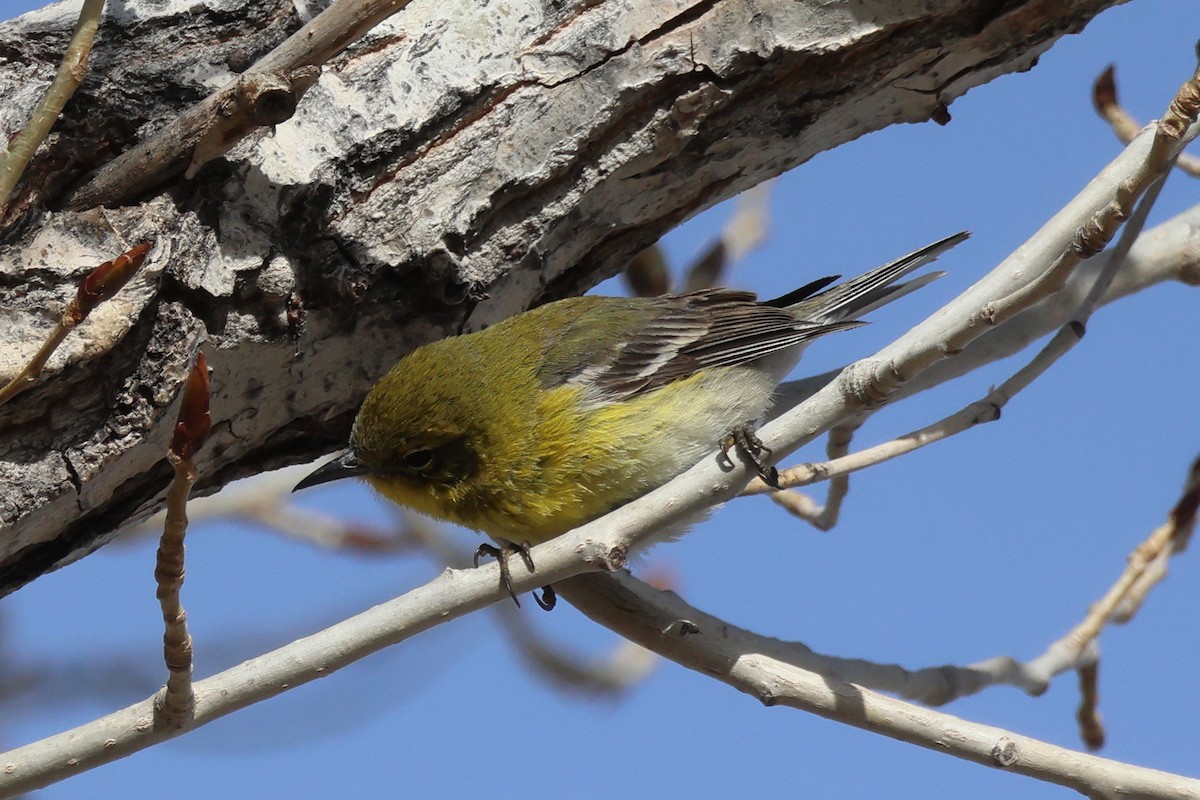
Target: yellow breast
<point>577,460</point>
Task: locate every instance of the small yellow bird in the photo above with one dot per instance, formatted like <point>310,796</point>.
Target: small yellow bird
<point>556,416</point>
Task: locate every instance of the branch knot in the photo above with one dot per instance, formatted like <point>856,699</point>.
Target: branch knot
<point>870,382</point>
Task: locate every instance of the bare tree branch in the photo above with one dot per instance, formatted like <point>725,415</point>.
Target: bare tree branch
<point>841,463</point>
<point>604,543</point>
<point>766,669</point>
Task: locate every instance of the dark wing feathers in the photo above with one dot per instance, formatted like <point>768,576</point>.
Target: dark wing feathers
<point>803,293</point>
<point>750,348</point>
<point>672,337</point>
<point>685,333</point>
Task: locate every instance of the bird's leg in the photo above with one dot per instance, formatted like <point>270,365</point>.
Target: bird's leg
<point>548,599</point>
<point>747,442</point>
<point>501,555</point>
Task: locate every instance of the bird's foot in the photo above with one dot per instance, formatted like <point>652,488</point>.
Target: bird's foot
<point>748,444</point>
<point>548,599</point>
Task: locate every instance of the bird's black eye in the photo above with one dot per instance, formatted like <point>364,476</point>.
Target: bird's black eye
<point>418,459</point>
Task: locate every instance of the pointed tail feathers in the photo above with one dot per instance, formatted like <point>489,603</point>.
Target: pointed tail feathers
<point>859,296</point>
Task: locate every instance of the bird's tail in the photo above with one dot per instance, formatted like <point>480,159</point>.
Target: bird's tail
<point>859,296</point>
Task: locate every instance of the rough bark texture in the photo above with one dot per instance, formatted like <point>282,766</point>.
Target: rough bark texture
<point>464,161</point>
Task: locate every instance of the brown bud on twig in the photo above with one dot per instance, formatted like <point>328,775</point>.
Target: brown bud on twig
<point>1104,91</point>
<point>191,429</point>
<point>1091,729</point>
<point>105,281</point>
<point>647,274</point>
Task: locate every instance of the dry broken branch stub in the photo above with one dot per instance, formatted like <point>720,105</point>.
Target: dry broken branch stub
<point>266,95</point>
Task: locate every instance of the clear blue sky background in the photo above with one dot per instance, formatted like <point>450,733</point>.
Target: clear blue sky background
<point>993,543</point>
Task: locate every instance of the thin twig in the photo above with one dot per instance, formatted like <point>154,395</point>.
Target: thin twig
<point>1183,520</point>
<point>177,698</point>
<point>869,383</point>
<point>1170,135</point>
<point>824,517</point>
<point>1143,188</point>
<point>767,670</point>
<point>177,701</point>
<point>1077,647</point>
<point>97,286</point>
<point>66,81</point>
<point>799,505</point>
<point>809,473</point>
<point>1178,527</point>
<point>981,411</point>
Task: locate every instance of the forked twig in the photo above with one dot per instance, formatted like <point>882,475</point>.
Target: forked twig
<point>988,409</point>
<point>821,517</point>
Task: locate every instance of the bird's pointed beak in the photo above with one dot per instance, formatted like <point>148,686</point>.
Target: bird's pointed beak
<point>343,466</point>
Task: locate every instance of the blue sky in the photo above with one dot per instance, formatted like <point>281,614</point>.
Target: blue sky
<point>992,543</point>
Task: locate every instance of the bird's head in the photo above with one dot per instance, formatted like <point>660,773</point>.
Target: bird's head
<point>413,438</point>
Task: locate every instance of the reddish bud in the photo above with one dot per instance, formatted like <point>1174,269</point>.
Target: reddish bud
<point>194,421</point>
<point>1104,91</point>
<point>107,279</point>
<point>647,274</point>
<point>1091,728</point>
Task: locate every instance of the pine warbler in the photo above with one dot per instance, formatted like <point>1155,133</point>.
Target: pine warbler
<point>556,416</point>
